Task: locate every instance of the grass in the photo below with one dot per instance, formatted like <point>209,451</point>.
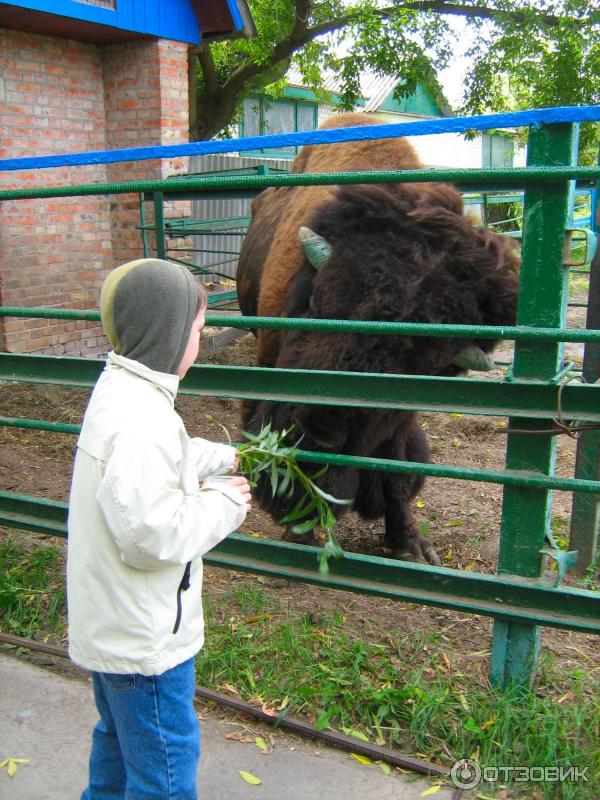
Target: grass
<point>399,689</point>
<point>591,579</point>
<point>402,692</point>
<point>32,591</point>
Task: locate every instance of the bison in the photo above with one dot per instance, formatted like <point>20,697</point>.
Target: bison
<point>394,252</point>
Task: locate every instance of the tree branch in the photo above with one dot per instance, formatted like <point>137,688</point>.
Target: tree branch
<point>207,67</point>
<point>301,14</point>
<point>299,36</point>
<point>438,7</point>
<point>484,12</point>
<point>302,35</point>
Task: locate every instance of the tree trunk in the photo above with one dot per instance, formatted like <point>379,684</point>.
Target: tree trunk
<point>212,115</point>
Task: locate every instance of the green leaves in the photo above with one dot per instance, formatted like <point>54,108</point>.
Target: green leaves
<point>269,452</point>
<point>534,53</point>
<point>544,56</point>
<point>305,527</point>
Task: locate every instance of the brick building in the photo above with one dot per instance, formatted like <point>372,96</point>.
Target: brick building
<point>91,78</point>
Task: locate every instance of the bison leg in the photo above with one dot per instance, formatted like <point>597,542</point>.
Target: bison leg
<point>401,530</point>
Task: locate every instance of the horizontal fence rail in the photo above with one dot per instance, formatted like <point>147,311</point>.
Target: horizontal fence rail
<point>504,478</point>
<point>495,332</point>
<point>506,598</point>
<point>464,178</point>
<point>523,398</point>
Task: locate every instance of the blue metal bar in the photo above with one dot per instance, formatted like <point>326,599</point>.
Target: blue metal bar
<point>482,122</point>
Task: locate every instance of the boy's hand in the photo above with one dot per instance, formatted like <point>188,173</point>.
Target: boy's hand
<point>236,463</point>
<point>243,487</point>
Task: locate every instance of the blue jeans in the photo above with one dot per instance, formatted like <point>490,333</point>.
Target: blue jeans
<point>146,745</point>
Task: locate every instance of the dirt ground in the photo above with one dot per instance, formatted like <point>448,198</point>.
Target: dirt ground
<point>463,516</point>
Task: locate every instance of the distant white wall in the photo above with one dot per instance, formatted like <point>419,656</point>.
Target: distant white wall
<point>436,150</point>
<point>520,156</point>
<point>325,111</point>
<point>448,150</point>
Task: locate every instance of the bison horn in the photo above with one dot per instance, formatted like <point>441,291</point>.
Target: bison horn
<point>315,247</point>
<point>473,357</point>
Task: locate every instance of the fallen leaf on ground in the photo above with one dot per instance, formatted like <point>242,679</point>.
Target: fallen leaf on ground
<point>361,759</point>
<point>249,777</point>
<point>239,736</point>
<point>432,790</point>
<point>11,765</point>
<point>249,620</point>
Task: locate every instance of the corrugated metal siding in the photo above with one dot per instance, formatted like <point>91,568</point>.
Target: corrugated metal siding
<point>103,3</point>
<point>223,209</point>
<point>373,88</point>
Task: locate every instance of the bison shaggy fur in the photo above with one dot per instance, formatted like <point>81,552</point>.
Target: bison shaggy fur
<point>399,252</point>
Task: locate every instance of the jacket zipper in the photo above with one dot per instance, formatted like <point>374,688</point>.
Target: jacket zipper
<point>184,585</point>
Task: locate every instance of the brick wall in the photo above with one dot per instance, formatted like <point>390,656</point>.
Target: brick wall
<point>175,108</point>
<point>146,104</point>
<point>61,96</point>
<point>52,252</point>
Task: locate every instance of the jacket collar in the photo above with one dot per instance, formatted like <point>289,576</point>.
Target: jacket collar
<point>163,380</point>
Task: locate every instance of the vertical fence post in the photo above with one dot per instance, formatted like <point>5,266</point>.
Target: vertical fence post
<point>143,224</point>
<point>159,222</point>
<point>543,296</point>
<point>584,515</point>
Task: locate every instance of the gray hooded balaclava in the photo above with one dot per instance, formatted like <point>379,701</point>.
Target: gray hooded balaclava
<point>147,309</point>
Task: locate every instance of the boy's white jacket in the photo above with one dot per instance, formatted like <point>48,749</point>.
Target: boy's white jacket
<point>139,511</point>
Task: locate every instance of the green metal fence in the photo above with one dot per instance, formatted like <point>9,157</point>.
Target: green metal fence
<point>520,598</point>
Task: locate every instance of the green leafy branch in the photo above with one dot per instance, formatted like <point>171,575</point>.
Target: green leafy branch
<point>267,454</point>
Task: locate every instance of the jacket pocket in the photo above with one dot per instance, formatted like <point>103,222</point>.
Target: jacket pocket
<point>184,585</point>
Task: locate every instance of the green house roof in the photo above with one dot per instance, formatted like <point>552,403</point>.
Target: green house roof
<point>422,102</point>
<point>377,95</point>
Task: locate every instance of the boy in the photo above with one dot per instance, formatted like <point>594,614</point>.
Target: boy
<point>142,512</point>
